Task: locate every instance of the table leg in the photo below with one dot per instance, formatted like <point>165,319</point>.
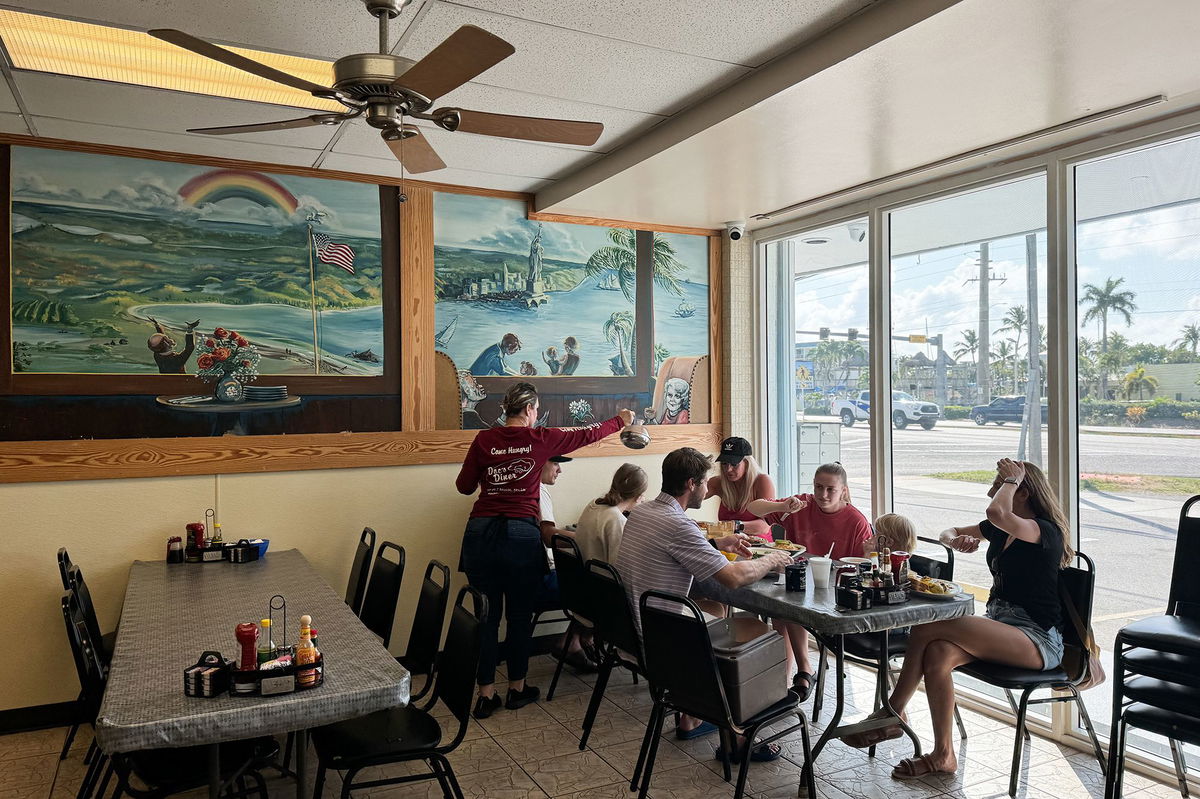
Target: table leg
<point>214,771</point>
<point>301,764</point>
<point>831,731</point>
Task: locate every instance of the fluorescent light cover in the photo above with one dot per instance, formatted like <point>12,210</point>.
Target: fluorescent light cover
<point>84,50</point>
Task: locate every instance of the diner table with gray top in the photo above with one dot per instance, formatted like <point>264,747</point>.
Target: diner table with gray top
<point>174,612</point>
<point>816,609</point>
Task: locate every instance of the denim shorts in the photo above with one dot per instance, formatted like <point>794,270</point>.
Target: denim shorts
<point>1049,643</point>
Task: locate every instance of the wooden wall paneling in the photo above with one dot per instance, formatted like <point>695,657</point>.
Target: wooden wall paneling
<point>716,319</point>
<point>536,216</point>
<point>418,403</point>
<point>51,461</point>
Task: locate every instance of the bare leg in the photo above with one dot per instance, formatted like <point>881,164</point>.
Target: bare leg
<point>797,638</point>
<point>487,691</point>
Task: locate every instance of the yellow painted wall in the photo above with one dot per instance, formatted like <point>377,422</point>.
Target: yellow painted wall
<point>109,523</point>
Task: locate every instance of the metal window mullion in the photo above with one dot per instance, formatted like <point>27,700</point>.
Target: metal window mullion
<point>880,359</point>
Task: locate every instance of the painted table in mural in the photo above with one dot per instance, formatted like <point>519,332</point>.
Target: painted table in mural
<point>242,409</point>
<point>816,609</point>
<point>173,612</point>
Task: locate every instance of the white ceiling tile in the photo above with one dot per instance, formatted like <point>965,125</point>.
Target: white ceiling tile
<point>317,28</point>
<point>13,123</point>
<point>390,167</point>
<point>749,34</point>
<point>172,142</point>
<point>580,66</point>
<point>118,104</point>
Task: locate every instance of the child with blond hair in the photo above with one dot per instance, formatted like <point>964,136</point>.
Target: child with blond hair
<point>894,532</point>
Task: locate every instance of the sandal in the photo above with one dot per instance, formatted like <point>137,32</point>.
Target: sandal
<point>763,753</point>
<point>865,740</point>
<point>910,768</point>
<point>802,684</point>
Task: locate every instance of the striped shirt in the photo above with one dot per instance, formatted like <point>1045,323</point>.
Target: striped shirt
<point>662,549</point>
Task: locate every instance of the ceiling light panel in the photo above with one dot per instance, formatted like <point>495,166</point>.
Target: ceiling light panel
<point>84,50</point>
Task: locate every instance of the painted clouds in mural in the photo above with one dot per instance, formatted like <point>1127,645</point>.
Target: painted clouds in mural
<point>115,260</point>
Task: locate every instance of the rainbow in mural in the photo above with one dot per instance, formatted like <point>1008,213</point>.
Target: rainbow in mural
<point>230,184</point>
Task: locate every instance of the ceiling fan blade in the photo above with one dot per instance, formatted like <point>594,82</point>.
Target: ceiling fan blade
<point>302,122</point>
<point>209,50</point>
<point>563,131</point>
<point>465,54</point>
<point>413,150</point>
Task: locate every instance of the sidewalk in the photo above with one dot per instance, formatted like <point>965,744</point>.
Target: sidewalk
<point>1016,427</point>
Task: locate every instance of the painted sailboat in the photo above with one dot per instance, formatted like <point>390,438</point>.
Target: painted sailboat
<point>608,283</point>
<point>442,337</point>
<point>685,309</point>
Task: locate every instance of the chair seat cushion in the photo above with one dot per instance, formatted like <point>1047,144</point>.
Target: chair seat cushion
<point>1174,634</point>
<point>1160,693</point>
<point>1163,665</point>
<point>866,645</point>
<point>1164,722</point>
<point>1013,676</point>
<point>174,769</point>
<point>381,736</point>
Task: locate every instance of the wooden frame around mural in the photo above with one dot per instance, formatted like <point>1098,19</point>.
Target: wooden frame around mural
<point>418,442</point>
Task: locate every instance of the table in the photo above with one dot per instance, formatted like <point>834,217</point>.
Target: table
<point>816,609</point>
<point>173,612</point>
<point>243,409</point>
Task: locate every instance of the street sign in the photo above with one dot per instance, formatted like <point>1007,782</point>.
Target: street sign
<point>852,334</point>
<point>917,338</point>
<point>803,378</point>
<point>824,334</point>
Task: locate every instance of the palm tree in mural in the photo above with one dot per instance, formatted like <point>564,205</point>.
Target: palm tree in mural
<point>1190,337</point>
<point>1137,380</point>
<point>620,259</point>
<point>1105,300</point>
<point>619,330</point>
<point>1015,321</point>
<point>968,345</point>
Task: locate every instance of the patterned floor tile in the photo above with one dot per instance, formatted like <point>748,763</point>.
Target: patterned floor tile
<point>23,772</point>
<point>573,707</point>
<point>570,684</point>
<point>27,792</point>
<point>482,754</point>
<point>527,718</point>
<point>539,743</point>
<point>613,728</point>
<point>505,783</point>
<point>617,790</point>
<point>40,742</point>
<point>572,773</point>
<point>690,782</point>
<point>623,757</point>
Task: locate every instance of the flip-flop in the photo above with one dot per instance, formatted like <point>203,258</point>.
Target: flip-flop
<point>802,684</point>
<point>763,753</point>
<point>909,768</point>
<point>699,731</point>
<point>865,740</point>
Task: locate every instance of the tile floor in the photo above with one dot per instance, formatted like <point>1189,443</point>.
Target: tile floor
<point>533,753</point>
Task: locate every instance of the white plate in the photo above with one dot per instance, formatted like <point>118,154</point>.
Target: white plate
<point>799,548</point>
<point>956,589</point>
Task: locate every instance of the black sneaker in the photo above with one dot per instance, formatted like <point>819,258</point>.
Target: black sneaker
<point>485,707</point>
<point>521,698</point>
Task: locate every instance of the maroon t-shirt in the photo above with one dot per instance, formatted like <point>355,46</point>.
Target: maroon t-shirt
<point>505,464</point>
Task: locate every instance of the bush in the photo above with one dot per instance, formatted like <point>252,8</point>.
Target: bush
<point>1165,412</point>
<point>956,412</point>
<point>816,403</point>
<point>1135,414</point>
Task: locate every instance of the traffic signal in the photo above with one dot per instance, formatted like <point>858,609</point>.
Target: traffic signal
<point>824,334</point>
<point>852,334</point>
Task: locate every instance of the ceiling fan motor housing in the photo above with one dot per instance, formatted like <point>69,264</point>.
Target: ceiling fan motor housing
<point>369,78</point>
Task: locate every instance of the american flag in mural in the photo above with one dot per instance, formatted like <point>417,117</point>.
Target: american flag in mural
<point>331,252</point>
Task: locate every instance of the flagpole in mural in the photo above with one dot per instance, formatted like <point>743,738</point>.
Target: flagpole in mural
<point>313,217</point>
<point>326,251</point>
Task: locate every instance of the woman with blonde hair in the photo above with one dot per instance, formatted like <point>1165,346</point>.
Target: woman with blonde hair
<point>602,522</point>
<point>738,482</point>
<point>1027,536</point>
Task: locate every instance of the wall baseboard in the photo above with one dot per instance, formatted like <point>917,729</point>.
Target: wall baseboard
<point>37,717</point>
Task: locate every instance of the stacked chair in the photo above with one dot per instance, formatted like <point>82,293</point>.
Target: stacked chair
<point>572,591</point>
<point>356,586</point>
<point>426,633</point>
<point>72,580</point>
<point>378,611</point>
<point>1156,685</point>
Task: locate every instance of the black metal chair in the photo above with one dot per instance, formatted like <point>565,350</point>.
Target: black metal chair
<point>1157,665</point>
<point>73,580</point>
<point>684,677</point>
<point>426,632</point>
<point>161,772</point>
<point>356,586</point>
<point>1076,585</point>
<point>378,611</point>
<point>616,633</point>
<point>404,734</point>
<point>572,591</point>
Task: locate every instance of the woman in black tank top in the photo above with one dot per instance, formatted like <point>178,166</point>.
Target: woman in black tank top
<point>1027,545</point>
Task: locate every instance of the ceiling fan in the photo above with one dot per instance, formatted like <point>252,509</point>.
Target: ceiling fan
<point>384,89</point>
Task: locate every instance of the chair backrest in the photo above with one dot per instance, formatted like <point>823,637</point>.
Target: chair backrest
<point>1184,596</point>
<point>356,586</point>
<point>460,657</point>
<point>931,567</point>
<point>383,592</point>
<point>64,565</point>
<point>679,656</point>
<point>613,615</point>
<point>426,633</point>
<point>1077,584</point>
<point>87,660</point>
<point>76,583</point>
<point>572,577</point>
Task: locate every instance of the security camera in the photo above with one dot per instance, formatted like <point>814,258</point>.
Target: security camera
<point>735,229</point>
<point>857,232</point>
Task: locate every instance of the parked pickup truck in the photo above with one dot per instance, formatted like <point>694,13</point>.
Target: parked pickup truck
<point>1003,409</point>
<point>906,410</point>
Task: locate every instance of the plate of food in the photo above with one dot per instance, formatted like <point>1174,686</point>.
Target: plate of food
<point>933,588</point>
<point>786,546</point>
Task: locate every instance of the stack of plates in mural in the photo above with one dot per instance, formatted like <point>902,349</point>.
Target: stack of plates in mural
<point>265,393</point>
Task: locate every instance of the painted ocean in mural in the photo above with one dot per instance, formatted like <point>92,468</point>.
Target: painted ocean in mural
<point>108,252</point>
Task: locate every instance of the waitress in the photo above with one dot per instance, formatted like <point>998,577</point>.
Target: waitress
<point>502,551</point>
<point>739,482</point>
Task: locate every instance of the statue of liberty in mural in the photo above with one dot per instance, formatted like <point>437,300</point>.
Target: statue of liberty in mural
<point>535,287</point>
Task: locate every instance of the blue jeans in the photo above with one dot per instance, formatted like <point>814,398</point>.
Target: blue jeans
<point>504,559</point>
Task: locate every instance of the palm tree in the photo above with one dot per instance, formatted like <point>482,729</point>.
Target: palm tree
<point>1104,300</point>
<point>1140,381</point>
<point>619,332</point>
<point>1015,321</point>
<point>1190,338</point>
<point>1003,351</point>
<point>969,345</point>
<point>620,258</point>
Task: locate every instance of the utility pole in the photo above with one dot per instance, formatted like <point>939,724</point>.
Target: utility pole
<point>939,371</point>
<point>1031,422</point>
<point>983,371</point>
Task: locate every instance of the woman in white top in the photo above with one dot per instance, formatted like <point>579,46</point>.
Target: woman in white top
<point>598,532</point>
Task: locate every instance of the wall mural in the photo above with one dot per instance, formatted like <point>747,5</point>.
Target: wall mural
<point>119,264</point>
<point>552,300</point>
